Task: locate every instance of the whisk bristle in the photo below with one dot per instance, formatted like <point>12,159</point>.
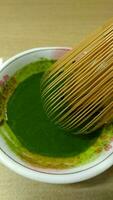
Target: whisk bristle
<point>77,91</point>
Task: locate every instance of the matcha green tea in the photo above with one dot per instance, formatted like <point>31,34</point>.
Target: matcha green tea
<point>32,135</point>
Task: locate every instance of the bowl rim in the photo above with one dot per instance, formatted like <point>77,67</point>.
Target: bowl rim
<point>47,177</point>
<point>22,53</point>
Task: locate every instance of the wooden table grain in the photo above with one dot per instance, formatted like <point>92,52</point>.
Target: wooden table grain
<point>27,24</point>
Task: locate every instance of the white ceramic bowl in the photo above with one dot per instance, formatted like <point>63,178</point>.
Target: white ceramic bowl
<point>8,158</point>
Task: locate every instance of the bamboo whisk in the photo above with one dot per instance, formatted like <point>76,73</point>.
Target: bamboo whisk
<point>77,91</point>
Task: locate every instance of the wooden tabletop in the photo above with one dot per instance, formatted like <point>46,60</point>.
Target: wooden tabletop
<point>26,24</point>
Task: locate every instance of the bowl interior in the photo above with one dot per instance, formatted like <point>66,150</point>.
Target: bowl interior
<point>9,68</point>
